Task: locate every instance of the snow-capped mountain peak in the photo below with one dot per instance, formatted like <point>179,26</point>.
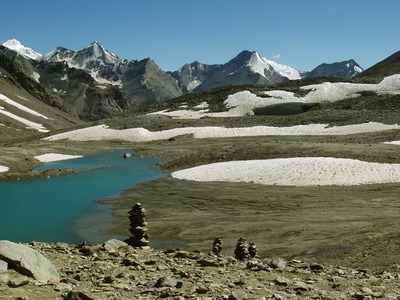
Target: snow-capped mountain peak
<point>100,63</point>
<point>96,50</point>
<point>259,64</point>
<point>16,46</point>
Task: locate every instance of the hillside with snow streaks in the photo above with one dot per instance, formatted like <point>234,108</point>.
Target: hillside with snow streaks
<point>21,107</point>
<point>29,124</point>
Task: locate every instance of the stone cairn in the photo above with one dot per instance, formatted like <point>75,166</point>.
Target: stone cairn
<point>138,227</point>
<point>241,251</point>
<point>217,246</point>
<point>252,250</point>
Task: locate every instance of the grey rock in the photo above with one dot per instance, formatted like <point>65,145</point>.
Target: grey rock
<point>300,286</point>
<point>117,273</point>
<point>3,267</point>
<point>202,290</point>
<point>166,281</point>
<point>278,263</point>
<point>78,295</point>
<point>3,279</point>
<point>207,263</point>
<point>316,267</point>
<point>281,281</point>
<point>71,281</point>
<point>18,282</point>
<point>27,261</point>
<point>231,260</point>
<point>114,245</point>
<point>366,291</point>
<point>63,287</point>
<point>237,295</point>
<point>278,297</point>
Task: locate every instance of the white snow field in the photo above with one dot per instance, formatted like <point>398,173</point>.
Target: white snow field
<point>299,171</point>
<point>50,157</point>
<point>103,132</point>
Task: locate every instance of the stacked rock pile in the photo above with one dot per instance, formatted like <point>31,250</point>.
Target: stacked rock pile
<point>253,250</point>
<point>217,246</point>
<point>241,250</point>
<point>138,227</point>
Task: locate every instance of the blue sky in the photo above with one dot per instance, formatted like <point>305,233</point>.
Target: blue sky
<point>299,33</point>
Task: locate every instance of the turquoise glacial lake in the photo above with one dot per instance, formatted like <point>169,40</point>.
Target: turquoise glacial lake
<point>66,208</point>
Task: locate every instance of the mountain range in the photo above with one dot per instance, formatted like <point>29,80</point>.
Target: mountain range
<point>93,83</point>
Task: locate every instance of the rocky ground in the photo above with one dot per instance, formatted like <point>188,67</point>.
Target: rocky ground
<point>351,233</point>
<point>115,270</point>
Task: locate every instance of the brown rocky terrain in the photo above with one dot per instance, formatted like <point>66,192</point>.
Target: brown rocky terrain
<point>115,270</point>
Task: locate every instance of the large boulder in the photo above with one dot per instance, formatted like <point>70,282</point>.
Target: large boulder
<point>27,261</point>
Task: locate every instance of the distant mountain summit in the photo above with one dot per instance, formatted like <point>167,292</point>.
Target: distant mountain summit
<point>344,69</point>
<point>101,64</point>
<point>248,67</point>
<point>264,66</point>
<point>141,81</point>
<point>16,46</point>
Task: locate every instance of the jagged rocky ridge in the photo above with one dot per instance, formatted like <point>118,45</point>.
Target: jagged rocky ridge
<point>93,83</point>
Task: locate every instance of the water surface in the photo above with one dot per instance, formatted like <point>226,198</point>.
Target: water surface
<point>66,208</point>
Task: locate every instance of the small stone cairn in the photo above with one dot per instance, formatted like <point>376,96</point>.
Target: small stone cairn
<point>138,227</point>
<point>241,251</point>
<point>252,250</point>
<point>217,246</point>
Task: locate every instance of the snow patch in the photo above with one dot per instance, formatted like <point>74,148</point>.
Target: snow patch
<point>50,157</point>
<point>202,105</point>
<point>36,76</point>
<point>194,84</point>
<point>20,97</point>
<point>4,169</point>
<point>298,171</point>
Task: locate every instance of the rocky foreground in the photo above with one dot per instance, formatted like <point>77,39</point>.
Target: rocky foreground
<point>115,270</point>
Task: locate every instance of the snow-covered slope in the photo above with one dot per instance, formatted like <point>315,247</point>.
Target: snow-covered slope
<point>260,64</point>
<point>16,46</point>
<point>245,103</point>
